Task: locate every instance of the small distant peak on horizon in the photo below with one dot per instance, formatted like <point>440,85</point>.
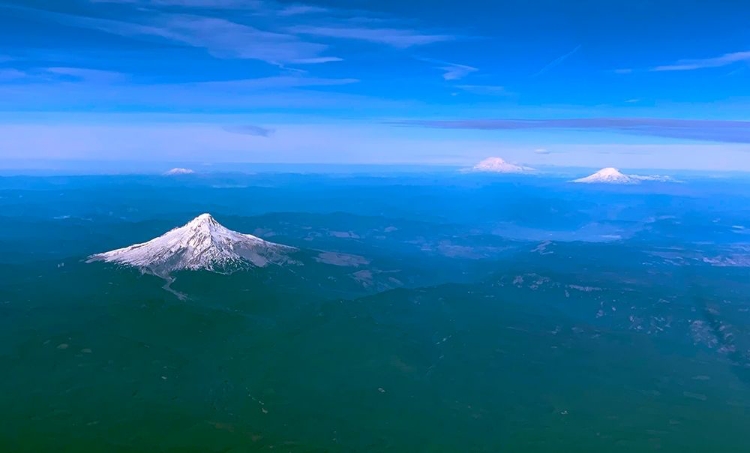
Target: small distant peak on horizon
<point>499,165</point>
<point>179,171</point>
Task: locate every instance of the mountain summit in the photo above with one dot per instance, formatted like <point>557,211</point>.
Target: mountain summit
<point>499,165</point>
<point>203,243</point>
<point>608,175</point>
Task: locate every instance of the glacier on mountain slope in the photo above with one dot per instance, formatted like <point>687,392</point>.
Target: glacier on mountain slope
<point>201,244</point>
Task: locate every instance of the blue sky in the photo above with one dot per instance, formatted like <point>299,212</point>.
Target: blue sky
<point>633,84</point>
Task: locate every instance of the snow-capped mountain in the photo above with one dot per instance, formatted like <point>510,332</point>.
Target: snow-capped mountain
<point>608,175</point>
<point>179,171</point>
<point>202,243</point>
<point>611,175</point>
<point>499,165</point>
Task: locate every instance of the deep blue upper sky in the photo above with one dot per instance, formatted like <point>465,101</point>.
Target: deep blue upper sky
<point>660,83</point>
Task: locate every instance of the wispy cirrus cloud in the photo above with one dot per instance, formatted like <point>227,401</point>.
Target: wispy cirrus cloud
<point>271,83</point>
<point>451,71</point>
<point>485,90</point>
<point>556,62</point>
<point>701,130</point>
<point>395,37</point>
<point>222,38</point>
<point>318,60</point>
<point>266,6</point>
<point>297,10</point>
<point>60,74</point>
<point>292,37</point>
<point>218,4</point>
<point>704,63</point>
<point>457,71</point>
<point>92,75</point>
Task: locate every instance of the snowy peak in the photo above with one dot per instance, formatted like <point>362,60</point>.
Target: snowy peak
<point>499,165</point>
<point>609,172</point>
<point>204,222</point>
<point>612,175</point>
<point>204,218</point>
<point>608,175</point>
<point>202,243</point>
<point>179,171</point>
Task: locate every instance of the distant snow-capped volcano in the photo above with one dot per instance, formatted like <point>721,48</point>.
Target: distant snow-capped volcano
<point>179,171</point>
<point>499,165</point>
<point>608,175</point>
<point>612,175</point>
<point>202,243</point>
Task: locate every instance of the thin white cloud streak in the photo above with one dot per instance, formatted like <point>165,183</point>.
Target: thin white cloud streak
<point>259,6</point>
<point>217,4</point>
<point>54,75</point>
<point>727,131</point>
<point>556,62</point>
<point>297,10</point>
<point>716,62</point>
<point>91,75</point>
<point>264,83</point>
<point>395,37</point>
<point>451,71</point>
<point>318,60</point>
<point>457,71</point>
<point>486,90</point>
<point>82,78</point>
